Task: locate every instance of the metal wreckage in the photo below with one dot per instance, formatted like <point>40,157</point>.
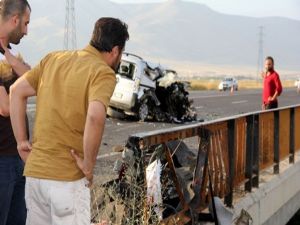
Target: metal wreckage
<point>150,92</point>
<point>144,193</point>
<point>167,185</point>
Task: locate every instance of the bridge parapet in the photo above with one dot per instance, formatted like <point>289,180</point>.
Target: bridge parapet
<point>230,155</point>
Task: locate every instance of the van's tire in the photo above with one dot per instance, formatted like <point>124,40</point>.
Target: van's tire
<point>114,113</point>
<point>159,115</point>
<point>143,111</point>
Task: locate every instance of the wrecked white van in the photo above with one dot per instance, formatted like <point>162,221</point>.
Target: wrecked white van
<point>149,92</point>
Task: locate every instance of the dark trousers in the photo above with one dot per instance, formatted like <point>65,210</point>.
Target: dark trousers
<point>12,191</point>
<point>271,105</point>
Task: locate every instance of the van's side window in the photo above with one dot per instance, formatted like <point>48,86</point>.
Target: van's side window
<point>126,69</point>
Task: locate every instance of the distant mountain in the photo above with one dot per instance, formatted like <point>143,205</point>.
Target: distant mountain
<point>173,31</point>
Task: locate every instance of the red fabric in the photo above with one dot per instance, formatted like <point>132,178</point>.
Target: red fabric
<point>271,85</point>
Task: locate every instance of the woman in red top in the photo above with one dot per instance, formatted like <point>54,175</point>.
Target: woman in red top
<point>272,85</point>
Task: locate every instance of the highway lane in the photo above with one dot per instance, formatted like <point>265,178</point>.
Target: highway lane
<point>208,104</point>
<point>212,104</point>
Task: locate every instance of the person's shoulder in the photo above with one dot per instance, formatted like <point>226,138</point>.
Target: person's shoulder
<point>58,53</point>
<point>99,65</point>
<point>276,73</point>
<point>101,68</point>
<point>54,55</point>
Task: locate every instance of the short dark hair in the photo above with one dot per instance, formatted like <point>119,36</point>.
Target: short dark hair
<point>108,33</point>
<point>11,7</point>
<point>270,58</point>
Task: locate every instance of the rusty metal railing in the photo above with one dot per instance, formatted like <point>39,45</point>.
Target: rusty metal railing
<point>238,148</point>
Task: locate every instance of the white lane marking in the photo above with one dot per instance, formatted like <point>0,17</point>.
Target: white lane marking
<point>239,102</point>
<point>222,94</point>
<point>199,107</point>
<point>120,125</point>
<point>209,96</point>
<point>108,155</point>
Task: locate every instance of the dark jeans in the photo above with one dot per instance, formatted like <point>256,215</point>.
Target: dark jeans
<point>271,105</point>
<point>12,191</point>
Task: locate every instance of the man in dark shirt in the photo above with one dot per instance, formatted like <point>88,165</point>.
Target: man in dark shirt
<point>272,85</point>
<point>14,18</point>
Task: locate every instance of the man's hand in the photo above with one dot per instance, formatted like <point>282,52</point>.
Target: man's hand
<point>18,66</point>
<point>24,149</point>
<point>3,44</point>
<point>83,167</point>
<point>9,57</point>
<point>271,99</point>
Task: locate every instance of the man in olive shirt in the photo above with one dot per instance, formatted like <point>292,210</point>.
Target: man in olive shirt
<point>73,90</point>
<point>14,19</point>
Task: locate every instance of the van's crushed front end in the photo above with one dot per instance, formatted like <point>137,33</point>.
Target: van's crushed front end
<point>149,93</point>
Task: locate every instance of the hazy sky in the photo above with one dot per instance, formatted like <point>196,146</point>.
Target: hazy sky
<point>257,8</point>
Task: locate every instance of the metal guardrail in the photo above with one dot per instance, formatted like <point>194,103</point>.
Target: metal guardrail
<point>238,149</point>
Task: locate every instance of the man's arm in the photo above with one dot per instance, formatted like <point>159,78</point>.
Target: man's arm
<point>93,132</point>
<point>274,97</point>
<point>19,92</point>
<point>278,87</point>
<point>18,66</point>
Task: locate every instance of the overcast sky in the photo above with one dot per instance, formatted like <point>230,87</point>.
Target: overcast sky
<point>257,8</point>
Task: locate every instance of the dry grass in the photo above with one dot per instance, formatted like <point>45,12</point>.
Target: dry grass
<point>212,84</point>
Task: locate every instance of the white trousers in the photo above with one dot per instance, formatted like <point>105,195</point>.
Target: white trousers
<point>52,202</point>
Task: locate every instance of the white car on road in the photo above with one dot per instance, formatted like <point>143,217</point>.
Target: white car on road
<point>297,82</point>
<point>228,83</point>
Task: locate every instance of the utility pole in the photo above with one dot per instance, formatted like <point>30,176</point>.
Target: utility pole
<point>70,26</point>
<point>260,51</point>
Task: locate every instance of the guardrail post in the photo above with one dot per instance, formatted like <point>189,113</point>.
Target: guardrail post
<point>255,149</point>
<point>249,152</point>
<point>231,155</point>
<point>171,165</point>
<point>292,135</point>
<point>276,143</point>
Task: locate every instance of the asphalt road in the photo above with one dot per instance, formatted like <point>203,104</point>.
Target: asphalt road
<point>217,104</point>
<point>209,105</point>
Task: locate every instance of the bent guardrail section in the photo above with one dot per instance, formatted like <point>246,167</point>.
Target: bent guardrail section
<point>236,149</point>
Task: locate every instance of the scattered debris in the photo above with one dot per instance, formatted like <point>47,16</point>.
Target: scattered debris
<point>154,197</point>
<point>160,196</point>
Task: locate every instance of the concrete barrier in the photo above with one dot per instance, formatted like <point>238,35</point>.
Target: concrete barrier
<point>276,201</point>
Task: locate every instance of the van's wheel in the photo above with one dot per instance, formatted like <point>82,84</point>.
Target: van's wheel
<point>143,112</point>
<point>159,115</point>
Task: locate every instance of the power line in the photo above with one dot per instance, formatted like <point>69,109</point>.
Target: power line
<point>70,41</point>
<point>260,50</point>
